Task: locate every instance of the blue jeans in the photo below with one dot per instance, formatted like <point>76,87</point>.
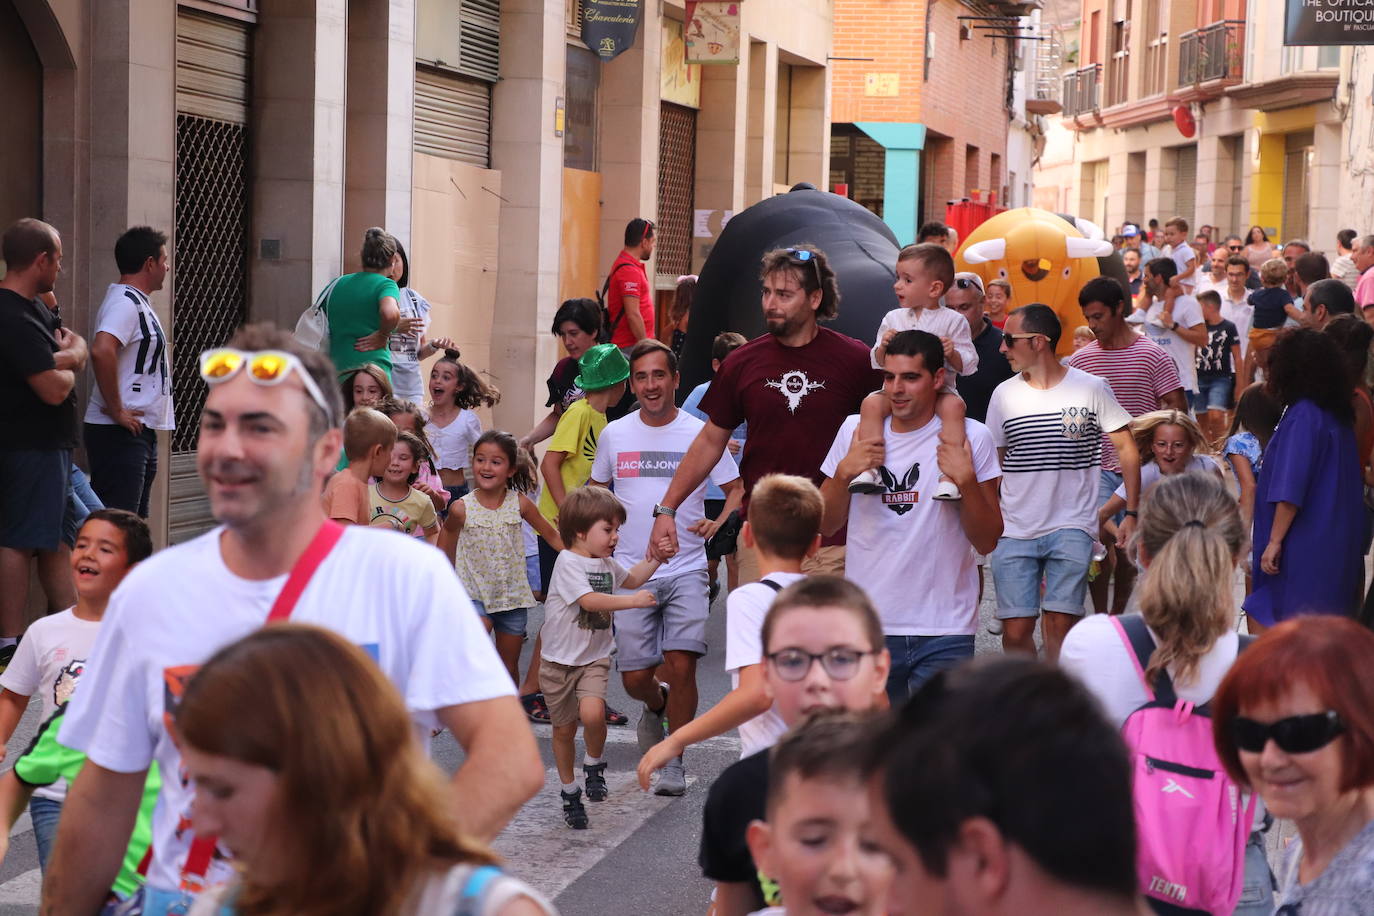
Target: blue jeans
<point>44,812</point>
<point>1060,559</point>
<point>81,502</point>
<point>1257,892</point>
<point>123,465</point>
<point>916,659</point>
<point>1107,482</point>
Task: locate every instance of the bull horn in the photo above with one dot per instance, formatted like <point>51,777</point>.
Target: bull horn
<point>1087,248</point>
<point>1090,229</point>
<point>985,251</point>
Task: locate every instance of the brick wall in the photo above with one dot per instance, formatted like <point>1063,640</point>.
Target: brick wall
<point>891,32</point>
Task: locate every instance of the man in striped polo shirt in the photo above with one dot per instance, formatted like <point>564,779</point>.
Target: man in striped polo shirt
<point>1047,422</point>
<point>1143,378</point>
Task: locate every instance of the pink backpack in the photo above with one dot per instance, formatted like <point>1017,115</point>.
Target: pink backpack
<point>1190,824</point>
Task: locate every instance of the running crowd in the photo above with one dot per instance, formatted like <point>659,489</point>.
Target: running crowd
<point>1193,445</point>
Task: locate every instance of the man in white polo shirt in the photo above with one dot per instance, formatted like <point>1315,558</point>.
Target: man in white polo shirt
<point>914,555</point>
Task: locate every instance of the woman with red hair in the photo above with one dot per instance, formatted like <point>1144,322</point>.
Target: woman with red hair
<point>1294,721</point>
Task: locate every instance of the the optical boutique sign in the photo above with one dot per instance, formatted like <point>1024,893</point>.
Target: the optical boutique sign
<point>1329,22</point>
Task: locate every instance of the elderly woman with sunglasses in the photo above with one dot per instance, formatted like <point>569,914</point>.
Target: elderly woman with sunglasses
<point>1294,720</point>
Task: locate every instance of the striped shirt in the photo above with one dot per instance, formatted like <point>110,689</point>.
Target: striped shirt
<point>1140,376</point>
<point>1052,442</point>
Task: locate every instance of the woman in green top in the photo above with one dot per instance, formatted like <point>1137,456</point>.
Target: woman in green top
<point>364,308</point>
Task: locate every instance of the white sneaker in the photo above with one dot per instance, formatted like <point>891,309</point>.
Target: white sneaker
<point>946,489</point>
<point>867,482</point>
<point>995,626</point>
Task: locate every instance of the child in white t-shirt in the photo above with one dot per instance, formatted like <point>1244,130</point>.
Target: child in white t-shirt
<point>1183,255</point>
<point>575,641</point>
<point>52,656</point>
<point>924,274</point>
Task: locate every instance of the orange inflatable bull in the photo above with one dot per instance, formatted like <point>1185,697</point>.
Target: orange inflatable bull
<point>1044,257</point>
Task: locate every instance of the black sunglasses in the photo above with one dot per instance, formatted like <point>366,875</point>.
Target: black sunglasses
<point>966,283</point>
<point>1293,735</point>
<point>806,256</point>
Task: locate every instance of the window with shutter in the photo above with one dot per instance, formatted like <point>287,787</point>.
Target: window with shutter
<point>452,116</point>
<point>479,39</point>
<point>1185,185</point>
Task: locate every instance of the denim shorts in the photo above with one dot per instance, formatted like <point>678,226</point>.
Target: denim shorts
<point>1060,559</point>
<point>1107,482</point>
<point>511,622</point>
<point>34,499</point>
<point>1214,393</point>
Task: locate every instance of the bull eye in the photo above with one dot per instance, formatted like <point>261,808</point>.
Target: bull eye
<point>1001,273</point>
<point>1067,271</point>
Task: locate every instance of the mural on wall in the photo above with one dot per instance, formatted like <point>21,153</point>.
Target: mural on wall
<point>681,81</point>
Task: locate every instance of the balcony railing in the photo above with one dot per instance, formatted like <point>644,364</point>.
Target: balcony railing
<point>1215,52</point>
<point>1081,90</point>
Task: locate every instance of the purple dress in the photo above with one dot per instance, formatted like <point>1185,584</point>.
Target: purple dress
<point>1312,462</point>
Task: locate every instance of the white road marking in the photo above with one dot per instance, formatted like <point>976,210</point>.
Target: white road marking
<point>541,850</point>
<point>618,735</point>
<point>23,889</point>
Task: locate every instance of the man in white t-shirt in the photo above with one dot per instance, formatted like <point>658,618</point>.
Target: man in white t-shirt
<point>638,455</point>
<point>1235,296</point>
<point>263,454</point>
<point>132,395</point>
<point>1047,422</point>
<point>1172,319</point>
<point>915,555</point>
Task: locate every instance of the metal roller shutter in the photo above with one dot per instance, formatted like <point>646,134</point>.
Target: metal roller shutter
<point>1185,187</point>
<point>212,67</point>
<point>452,116</point>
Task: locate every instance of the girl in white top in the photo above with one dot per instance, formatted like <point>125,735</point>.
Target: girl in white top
<point>456,391</point>
<point>1190,540</point>
<point>324,795</point>
<point>1169,443</point>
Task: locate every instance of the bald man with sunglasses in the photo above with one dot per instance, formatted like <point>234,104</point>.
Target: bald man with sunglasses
<point>269,435</point>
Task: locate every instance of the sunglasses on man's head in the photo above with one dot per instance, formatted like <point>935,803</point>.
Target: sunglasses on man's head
<point>806,256</point>
<point>966,283</point>
<point>1293,735</point>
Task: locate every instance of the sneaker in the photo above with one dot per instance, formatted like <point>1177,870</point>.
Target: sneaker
<point>653,725</point>
<point>995,627</point>
<point>946,489</point>
<point>7,656</point>
<point>715,591</point>
<point>594,777</point>
<point>867,482</point>
<point>574,812</point>
<point>615,716</point>
<point>672,779</point>
<point>535,708</point>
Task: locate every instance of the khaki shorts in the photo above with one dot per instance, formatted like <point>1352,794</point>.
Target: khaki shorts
<point>565,686</point>
<point>827,561</point>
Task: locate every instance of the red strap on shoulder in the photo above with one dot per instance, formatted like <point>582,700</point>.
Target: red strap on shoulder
<point>305,567</point>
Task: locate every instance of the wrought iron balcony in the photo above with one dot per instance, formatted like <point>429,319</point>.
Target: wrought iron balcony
<point>1215,52</point>
<point>1082,89</point>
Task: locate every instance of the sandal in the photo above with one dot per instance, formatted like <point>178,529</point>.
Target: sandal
<point>535,708</point>
<point>594,777</point>
<point>613,716</point>
<point>574,812</point>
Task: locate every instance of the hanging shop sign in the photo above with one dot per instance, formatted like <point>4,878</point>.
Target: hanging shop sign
<point>712,32</point>
<point>1329,22</point>
<point>609,26</point>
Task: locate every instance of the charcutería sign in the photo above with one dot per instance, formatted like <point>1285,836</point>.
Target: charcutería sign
<point>609,26</point>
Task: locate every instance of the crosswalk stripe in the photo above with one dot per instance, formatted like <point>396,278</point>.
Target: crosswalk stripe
<point>729,742</point>
<point>23,889</point>
<point>542,851</point>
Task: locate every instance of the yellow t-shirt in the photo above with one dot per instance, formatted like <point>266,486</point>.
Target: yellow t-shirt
<point>576,435</point>
<point>411,515</point>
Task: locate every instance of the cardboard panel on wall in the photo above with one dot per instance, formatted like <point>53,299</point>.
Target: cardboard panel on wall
<point>456,219</point>
<point>579,270</point>
<point>681,81</point>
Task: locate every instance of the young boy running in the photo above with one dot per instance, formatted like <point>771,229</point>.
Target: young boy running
<point>51,658</point>
<point>924,274</point>
<point>368,439</point>
<point>783,530</point>
<point>824,649</point>
<point>575,653</point>
<point>817,841</point>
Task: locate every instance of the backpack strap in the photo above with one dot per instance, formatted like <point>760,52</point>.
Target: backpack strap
<point>771,584</point>
<point>478,882</point>
<point>1140,645</point>
<point>605,288</point>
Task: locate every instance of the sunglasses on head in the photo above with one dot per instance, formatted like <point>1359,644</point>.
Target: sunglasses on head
<point>1293,735</point>
<point>265,367</point>
<point>806,256</point>
<point>966,283</point>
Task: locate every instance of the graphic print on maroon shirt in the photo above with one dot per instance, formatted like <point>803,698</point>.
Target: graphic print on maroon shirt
<point>795,399</point>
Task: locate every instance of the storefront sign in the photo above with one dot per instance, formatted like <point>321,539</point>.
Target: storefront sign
<point>713,31</point>
<point>609,26</point>
<point>1329,22</point>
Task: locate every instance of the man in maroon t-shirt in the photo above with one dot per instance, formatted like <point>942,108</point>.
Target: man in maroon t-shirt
<point>629,297</point>
<point>794,385</point>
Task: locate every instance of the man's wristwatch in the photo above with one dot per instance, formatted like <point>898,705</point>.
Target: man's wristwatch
<point>664,510</point>
<point>1131,513</point>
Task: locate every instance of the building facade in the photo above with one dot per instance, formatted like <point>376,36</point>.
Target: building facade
<point>265,137</point>
<point>929,106</point>
<point>1199,111</point>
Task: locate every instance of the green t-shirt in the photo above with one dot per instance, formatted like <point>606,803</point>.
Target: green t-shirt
<point>576,435</point>
<point>47,761</point>
<point>352,309</point>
